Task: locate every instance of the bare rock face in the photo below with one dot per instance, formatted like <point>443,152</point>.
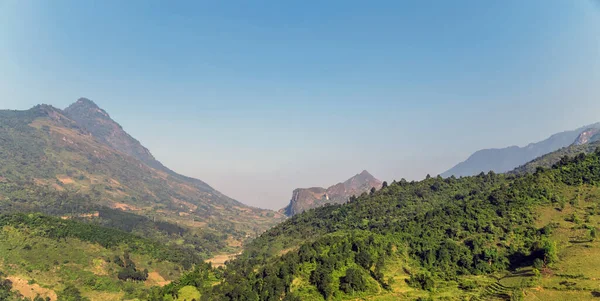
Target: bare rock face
<point>307,198</point>
<point>588,136</point>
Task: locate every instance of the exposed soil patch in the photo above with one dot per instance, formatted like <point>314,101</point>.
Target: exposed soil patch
<point>31,290</point>
<point>219,260</point>
<point>124,207</point>
<point>154,278</point>
<point>99,267</point>
<point>65,180</point>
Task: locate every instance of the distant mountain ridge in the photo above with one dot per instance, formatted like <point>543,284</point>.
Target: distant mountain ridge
<point>506,159</point>
<point>586,143</point>
<point>307,198</point>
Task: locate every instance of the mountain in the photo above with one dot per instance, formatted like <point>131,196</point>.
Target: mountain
<point>588,136</point>
<point>506,159</point>
<point>96,121</point>
<point>307,198</point>
<point>88,158</point>
<point>583,145</point>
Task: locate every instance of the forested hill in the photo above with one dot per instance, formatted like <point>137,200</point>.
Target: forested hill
<point>486,237</point>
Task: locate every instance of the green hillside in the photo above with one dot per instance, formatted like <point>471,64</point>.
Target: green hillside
<point>552,158</point>
<point>58,258</point>
<point>488,237</point>
<point>52,164</point>
<point>81,207</point>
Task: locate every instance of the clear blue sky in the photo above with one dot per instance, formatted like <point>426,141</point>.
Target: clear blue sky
<point>260,97</point>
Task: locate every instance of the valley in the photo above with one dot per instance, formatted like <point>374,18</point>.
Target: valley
<point>89,214</point>
<point>299,150</point>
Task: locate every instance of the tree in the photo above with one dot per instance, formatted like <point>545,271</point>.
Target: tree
<point>550,252</point>
<point>538,263</point>
<point>71,293</point>
<point>364,259</point>
<point>384,185</point>
<point>421,281</point>
<point>353,281</point>
<point>321,278</point>
<point>373,190</point>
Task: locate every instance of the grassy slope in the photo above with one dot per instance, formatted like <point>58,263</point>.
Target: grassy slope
<point>49,253</point>
<point>573,278</point>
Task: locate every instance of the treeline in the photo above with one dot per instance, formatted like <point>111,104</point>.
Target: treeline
<point>443,228</point>
<point>29,198</point>
<point>57,228</point>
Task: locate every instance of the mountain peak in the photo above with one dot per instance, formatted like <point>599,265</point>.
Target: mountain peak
<point>86,102</point>
<point>362,177</point>
<point>86,107</point>
<point>307,198</point>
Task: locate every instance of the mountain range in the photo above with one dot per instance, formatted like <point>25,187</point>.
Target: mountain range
<point>89,214</point>
<point>502,160</point>
<point>308,198</point>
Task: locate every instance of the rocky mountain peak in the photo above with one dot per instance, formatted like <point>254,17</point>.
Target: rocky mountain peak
<point>86,108</point>
<point>307,198</point>
<point>82,101</point>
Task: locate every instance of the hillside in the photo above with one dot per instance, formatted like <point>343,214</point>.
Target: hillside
<point>52,257</point>
<point>546,161</point>
<point>487,237</point>
<point>307,198</point>
<point>97,121</point>
<point>506,159</point>
<point>43,151</point>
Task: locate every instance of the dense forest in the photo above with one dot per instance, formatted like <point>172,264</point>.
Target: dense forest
<point>442,229</point>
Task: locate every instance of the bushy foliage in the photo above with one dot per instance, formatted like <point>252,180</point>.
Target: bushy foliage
<point>71,293</point>
<point>448,227</point>
<point>57,228</point>
<point>129,271</point>
<point>353,281</point>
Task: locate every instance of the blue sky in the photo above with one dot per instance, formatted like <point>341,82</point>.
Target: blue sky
<point>260,97</point>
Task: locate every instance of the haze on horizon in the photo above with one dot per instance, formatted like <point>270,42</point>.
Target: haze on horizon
<point>259,98</point>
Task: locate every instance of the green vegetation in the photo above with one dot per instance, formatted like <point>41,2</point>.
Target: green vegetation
<point>548,160</point>
<point>476,237</point>
<point>51,164</point>
<point>69,259</point>
<point>85,222</point>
